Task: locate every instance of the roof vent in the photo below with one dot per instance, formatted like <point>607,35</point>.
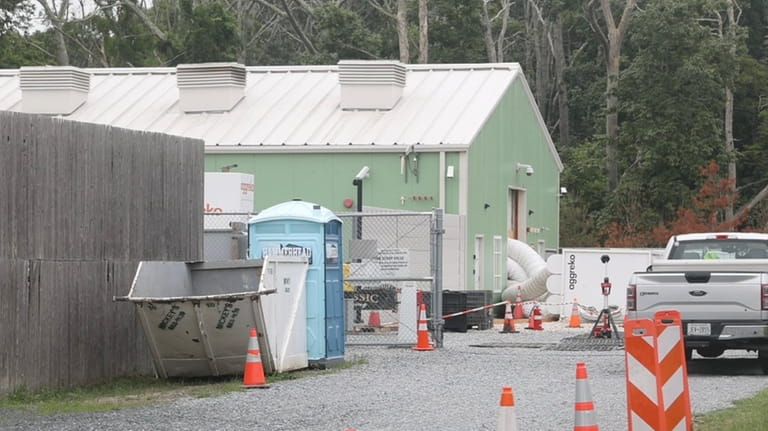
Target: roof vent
<point>210,87</point>
<point>56,90</point>
<point>375,84</point>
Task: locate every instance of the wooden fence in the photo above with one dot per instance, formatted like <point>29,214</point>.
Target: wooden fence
<point>80,206</point>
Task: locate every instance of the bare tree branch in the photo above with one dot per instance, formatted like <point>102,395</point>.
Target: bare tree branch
<point>145,19</point>
<point>381,10</point>
<point>304,40</point>
<point>361,50</point>
<point>589,14</point>
<point>272,7</point>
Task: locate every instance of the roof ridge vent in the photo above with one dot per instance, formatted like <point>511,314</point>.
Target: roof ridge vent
<point>53,90</point>
<point>371,84</point>
<point>210,87</point>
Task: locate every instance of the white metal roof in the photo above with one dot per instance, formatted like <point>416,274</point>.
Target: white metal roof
<point>291,108</point>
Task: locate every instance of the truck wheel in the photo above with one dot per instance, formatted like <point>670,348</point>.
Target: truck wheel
<point>710,352</point>
<point>762,356</point>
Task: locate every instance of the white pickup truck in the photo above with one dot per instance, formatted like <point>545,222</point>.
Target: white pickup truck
<point>719,284</point>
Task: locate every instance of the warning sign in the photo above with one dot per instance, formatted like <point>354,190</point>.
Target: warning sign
<point>394,262</point>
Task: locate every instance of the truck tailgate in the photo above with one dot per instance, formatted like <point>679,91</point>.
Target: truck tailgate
<point>700,295</point>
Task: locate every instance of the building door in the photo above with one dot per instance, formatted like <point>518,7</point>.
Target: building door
<point>477,268</point>
<point>516,222</point>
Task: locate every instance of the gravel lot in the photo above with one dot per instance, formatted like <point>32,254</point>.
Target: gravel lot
<point>453,388</point>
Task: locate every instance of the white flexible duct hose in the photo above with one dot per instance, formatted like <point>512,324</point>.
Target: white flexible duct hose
<point>535,268</point>
<point>515,272</point>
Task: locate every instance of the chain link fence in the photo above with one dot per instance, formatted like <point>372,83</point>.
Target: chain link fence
<point>225,236</point>
<point>391,262</point>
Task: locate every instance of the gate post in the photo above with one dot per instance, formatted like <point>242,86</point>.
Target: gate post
<point>436,264</point>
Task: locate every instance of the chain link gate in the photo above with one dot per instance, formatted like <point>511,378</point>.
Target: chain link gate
<point>393,261</point>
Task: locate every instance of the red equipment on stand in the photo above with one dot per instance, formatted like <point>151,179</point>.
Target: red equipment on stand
<point>609,326</point>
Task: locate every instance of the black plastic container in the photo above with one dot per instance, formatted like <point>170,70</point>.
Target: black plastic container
<point>482,319</point>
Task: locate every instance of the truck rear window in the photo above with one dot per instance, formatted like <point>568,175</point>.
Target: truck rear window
<point>719,249</point>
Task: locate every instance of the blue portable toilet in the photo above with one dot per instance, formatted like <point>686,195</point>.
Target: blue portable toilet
<point>299,228</point>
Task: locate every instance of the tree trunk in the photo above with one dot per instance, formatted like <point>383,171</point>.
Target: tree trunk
<point>615,38</point>
<point>241,53</point>
<point>62,54</point>
<point>423,31</point>
<point>730,151</point>
<point>543,58</point>
<point>57,19</point>
<point>490,46</point>
<point>729,147</point>
<point>502,32</point>
<point>562,87</point>
<point>612,116</point>
<point>402,30</point>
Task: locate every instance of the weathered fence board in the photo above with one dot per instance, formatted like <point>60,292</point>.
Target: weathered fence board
<point>80,206</point>
<point>84,191</point>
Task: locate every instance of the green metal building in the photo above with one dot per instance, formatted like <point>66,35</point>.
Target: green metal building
<point>464,137</point>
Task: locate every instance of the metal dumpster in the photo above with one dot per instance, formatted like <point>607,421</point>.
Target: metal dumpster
<point>197,316</point>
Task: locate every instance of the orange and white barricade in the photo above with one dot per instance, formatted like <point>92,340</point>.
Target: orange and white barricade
<point>657,378</point>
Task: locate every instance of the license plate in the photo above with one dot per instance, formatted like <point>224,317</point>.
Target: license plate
<point>699,329</point>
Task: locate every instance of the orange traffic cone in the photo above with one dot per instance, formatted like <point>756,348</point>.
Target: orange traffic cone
<point>538,319</point>
<point>519,305</point>
<point>422,343</point>
<point>535,319</point>
<point>253,377</point>
<point>575,321</point>
<point>509,321</point>
<point>507,417</point>
<point>585,418</point>
<point>374,320</point>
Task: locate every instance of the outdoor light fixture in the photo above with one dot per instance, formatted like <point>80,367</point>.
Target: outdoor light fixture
<point>358,182</point>
<point>527,168</point>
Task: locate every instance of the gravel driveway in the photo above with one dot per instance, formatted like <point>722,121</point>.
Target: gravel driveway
<point>453,388</point>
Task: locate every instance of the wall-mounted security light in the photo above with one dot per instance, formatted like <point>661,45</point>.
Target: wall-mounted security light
<point>563,191</point>
<point>358,182</point>
<point>364,173</point>
<point>524,167</point>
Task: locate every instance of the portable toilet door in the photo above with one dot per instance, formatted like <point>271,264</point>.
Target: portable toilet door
<point>334,292</point>
<point>306,229</point>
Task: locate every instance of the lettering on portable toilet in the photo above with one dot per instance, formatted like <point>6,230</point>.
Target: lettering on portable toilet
<point>287,250</point>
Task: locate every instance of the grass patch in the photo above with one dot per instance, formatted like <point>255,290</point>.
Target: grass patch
<point>141,391</point>
<point>117,394</point>
<point>748,414</point>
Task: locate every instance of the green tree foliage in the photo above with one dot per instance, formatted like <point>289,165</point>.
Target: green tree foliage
<point>212,35</point>
<point>127,41</point>
<point>455,33</point>
<point>342,34</point>
<point>15,52</point>
<point>672,95</point>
